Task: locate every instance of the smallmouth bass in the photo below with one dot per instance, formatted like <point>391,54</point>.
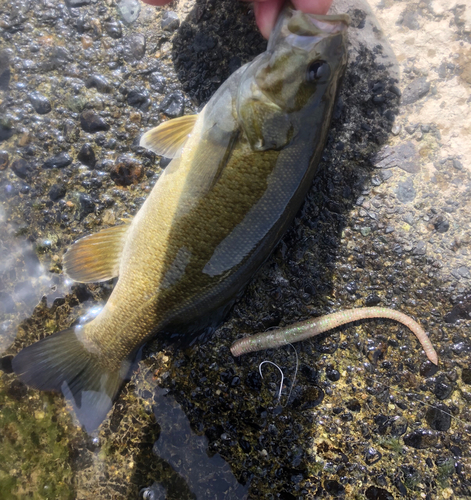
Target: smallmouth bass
<point>239,173</point>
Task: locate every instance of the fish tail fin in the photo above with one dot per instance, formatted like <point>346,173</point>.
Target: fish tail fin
<point>62,363</point>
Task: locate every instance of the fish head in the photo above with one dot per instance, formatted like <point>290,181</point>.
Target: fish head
<point>299,72</point>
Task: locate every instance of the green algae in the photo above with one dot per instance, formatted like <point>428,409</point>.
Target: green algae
<point>35,452</point>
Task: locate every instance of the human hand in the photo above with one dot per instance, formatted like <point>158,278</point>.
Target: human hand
<point>266,11</point>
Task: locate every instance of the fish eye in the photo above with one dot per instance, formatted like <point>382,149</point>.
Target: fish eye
<point>318,71</point>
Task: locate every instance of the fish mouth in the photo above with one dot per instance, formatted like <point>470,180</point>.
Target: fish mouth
<point>302,24</point>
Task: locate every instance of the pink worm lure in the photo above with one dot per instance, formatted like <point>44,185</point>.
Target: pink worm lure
<point>313,327</point>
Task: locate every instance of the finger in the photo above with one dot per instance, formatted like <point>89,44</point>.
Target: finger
<point>312,6</point>
<point>266,14</point>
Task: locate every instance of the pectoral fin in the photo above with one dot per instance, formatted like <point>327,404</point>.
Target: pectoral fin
<point>169,137</point>
<point>96,257</point>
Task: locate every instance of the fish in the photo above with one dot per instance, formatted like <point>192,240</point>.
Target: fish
<point>239,172</point>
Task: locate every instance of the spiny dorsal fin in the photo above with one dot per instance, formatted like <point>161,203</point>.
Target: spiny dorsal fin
<point>168,138</point>
<point>96,257</point>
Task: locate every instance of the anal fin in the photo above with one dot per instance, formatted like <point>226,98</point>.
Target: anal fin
<point>96,257</point>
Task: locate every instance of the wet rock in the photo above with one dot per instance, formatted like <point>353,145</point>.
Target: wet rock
<point>72,4</point>
<point>59,56</point>
<point>428,369</point>
<point>372,456</point>
<point>92,122</point>
<point>170,21</point>
<point>87,155</point>
<point>421,439</point>
<point>375,493</point>
<point>372,300</point>
<point>57,191</point>
<point>415,90</point>
<point>254,381</point>
<point>6,129</point>
<point>126,171</point>
<point>173,105</point>
<point>21,168</point>
<point>134,48</point>
<point>332,374</point>
<point>334,488</point>
<point>245,445</point>
<point>438,417</point>
<point>442,389</point>
<point>5,73</point>
<point>4,160</point>
<point>59,161</point>
<point>139,98</point>
<point>129,10</point>
<point>114,29</point>
<point>157,82</point>
<point>41,103</point>
<point>87,205</point>
<point>98,82</point>
<point>466,375</point>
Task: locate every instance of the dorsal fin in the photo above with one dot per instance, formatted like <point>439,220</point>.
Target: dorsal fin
<point>168,138</point>
<point>96,257</point>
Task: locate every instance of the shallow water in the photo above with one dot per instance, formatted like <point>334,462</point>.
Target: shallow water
<point>386,222</point>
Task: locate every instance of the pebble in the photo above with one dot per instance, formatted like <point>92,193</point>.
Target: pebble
<point>5,73</point>
<point>134,48</point>
<point>21,168</point>
<point>396,130</point>
<point>173,105</point>
<point>415,90</point>
<point>77,3</point>
<point>170,21</point>
<point>4,160</point>
<point>129,10</point>
<point>59,161</point>
<point>98,82</point>
<point>41,103</point>
<point>421,439</point>
<point>442,390</point>
<point>114,29</point>
<point>457,164</point>
<point>87,155</point>
<point>57,191</point>
<point>157,82</point>
<point>442,226</point>
<point>405,191</point>
<point>372,456</point>
<point>139,98</point>
<point>438,417</point>
<point>92,122</point>
<point>375,493</point>
<point>87,205</point>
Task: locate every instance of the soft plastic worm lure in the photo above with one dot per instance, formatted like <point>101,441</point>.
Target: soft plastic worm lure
<point>313,327</point>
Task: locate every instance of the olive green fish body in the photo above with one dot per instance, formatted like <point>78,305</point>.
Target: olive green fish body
<point>239,173</point>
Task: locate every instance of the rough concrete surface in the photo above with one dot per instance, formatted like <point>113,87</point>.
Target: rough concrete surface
<point>386,222</point>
